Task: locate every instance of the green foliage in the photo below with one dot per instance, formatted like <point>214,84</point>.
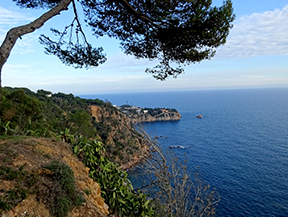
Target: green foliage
<point>66,136</point>
<point>76,55</point>
<point>178,32</point>
<point>10,198</point>
<point>67,115</point>
<point>64,195</point>
<point>20,110</point>
<point>23,112</point>
<point>87,191</point>
<point>55,188</point>
<point>116,188</point>
<point>11,174</point>
<point>4,206</point>
<point>5,128</point>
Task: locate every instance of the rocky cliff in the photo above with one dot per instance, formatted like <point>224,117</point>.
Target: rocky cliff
<point>24,177</point>
<point>125,146</point>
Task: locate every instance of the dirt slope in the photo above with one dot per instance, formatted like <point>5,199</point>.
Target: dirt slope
<point>28,157</point>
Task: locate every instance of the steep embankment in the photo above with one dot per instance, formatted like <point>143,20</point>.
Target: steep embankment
<point>32,174</point>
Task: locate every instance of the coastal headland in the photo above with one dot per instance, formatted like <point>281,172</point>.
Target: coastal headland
<point>142,115</point>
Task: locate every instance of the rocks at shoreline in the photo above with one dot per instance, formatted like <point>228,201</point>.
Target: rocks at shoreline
<point>177,146</point>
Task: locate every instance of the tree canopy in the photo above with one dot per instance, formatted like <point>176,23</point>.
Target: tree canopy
<point>174,32</point>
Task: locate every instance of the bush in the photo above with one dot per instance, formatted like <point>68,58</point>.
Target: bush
<point>10,198</point>
<point>64,196</point>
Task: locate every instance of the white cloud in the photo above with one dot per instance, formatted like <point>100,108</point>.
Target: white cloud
<point>26,45</point>
<point>82,84</point>
<point>8,17</point>
<point>259,34</point>
<point>122,61</point>
<point>14,66</point>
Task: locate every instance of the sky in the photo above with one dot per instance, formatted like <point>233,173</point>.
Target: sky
<point>254,56</point>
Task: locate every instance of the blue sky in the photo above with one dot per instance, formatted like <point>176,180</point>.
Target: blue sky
<point>255,55</point>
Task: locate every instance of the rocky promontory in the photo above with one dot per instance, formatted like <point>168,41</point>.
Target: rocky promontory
<point>141,115</point>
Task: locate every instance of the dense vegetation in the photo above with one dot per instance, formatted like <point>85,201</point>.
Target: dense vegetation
<point>24,112</point>
<point>117,189</point>
<point>44,113</point>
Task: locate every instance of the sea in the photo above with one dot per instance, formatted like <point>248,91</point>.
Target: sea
<point>240,144</point>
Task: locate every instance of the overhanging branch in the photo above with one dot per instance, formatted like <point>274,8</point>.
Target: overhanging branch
<point>141,16</point>
<point>78,22</point>
<point>15,33</point>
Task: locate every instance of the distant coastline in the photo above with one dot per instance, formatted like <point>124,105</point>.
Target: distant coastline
<point>142,115</point>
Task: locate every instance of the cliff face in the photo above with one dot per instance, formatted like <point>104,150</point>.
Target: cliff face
<point>23,169</point>
<point>124,145</point>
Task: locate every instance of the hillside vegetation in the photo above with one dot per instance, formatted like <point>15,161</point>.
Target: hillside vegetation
<point>94,132</point>
<point>24,112</point>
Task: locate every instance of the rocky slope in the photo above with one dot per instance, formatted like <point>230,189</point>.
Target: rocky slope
<point>125,146</point>
<point>23,170</point>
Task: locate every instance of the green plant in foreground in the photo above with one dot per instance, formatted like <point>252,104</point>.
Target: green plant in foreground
<point>116,188</point>
<point>87,191</point>
<point>4,205</point>
<point>64,195</point>
<point>10,198</point>
<point>56,189</point>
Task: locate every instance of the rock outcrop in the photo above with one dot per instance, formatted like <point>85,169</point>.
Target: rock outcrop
<point>125,146</point>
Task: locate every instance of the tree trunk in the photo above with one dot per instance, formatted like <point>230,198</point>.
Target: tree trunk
<point>15,33</point>
<point>1,66</point>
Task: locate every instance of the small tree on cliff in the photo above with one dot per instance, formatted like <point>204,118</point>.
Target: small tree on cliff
<point>178,31</point>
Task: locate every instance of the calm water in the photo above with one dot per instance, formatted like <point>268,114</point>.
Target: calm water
<point>241,144</point>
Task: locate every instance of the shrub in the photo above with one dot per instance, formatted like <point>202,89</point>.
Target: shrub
<point>10,198</point>
<point>116,188</point>
<point>64,195</point>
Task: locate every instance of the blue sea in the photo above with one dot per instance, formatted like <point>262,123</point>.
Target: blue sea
<point>240,144</point>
